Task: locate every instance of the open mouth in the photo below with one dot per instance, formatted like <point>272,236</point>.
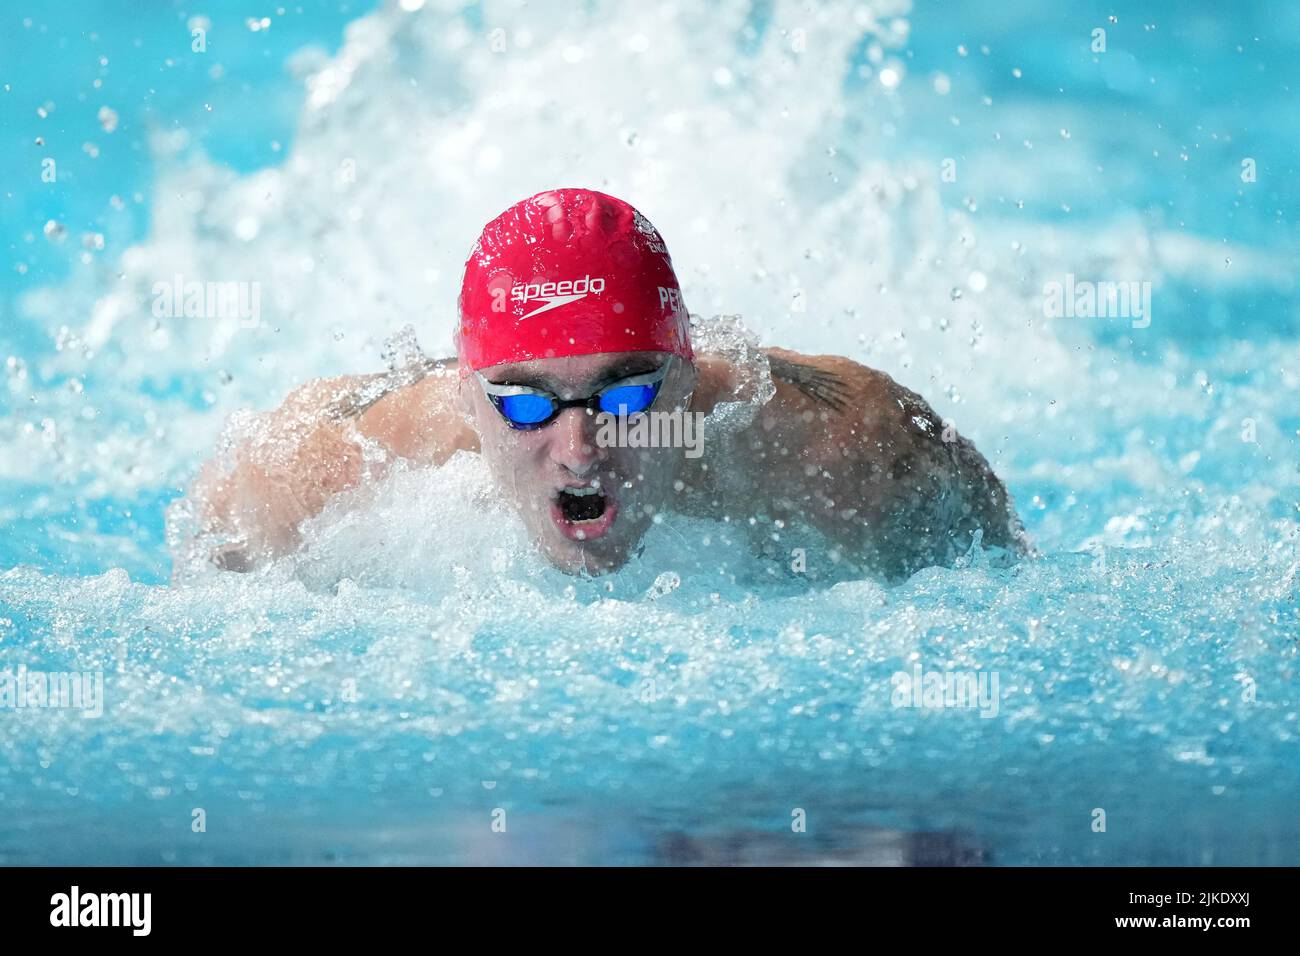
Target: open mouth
<point>582,504</point>
<point>583,514</point>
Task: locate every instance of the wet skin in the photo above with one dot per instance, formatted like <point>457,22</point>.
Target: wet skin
<point>839,448</point>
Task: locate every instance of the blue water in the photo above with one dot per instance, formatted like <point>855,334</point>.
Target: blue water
<point>400,687</point>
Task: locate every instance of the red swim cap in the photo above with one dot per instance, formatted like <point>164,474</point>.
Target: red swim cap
<point>569,272</point>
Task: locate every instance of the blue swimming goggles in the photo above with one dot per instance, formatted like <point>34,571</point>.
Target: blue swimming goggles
<point>525,408</point>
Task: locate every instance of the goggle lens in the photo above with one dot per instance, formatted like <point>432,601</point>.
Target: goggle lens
<point>526,409</point>
<point>629,399</point>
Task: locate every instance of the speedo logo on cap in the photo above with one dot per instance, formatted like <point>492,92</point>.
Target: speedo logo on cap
<point>555,294</point>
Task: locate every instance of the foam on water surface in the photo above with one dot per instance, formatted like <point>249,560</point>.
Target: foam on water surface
<point>417,666</point>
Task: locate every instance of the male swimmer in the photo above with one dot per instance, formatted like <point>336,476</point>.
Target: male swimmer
<point>571,317</point>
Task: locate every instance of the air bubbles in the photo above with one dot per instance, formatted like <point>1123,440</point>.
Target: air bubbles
<point>665,584</point>
<point>16,373</point>
<point>66,340</point>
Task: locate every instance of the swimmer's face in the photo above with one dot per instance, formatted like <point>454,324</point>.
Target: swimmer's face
<point>586,501</point>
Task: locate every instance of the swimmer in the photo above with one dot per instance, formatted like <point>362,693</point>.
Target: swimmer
<point>571,320</point>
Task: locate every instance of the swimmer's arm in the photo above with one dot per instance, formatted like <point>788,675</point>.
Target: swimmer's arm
<point>889,481</point>
<point>328,436</point>
<point>930,490</point>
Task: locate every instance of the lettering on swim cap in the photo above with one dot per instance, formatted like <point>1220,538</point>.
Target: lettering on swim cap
<point>523,293</point>
<point>670,299</point>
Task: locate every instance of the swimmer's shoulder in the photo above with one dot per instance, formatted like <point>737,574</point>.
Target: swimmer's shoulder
<point>824,411</point>
<point>843,419</point>
<point>854,399</point>
<point>413,412</point>
<point>830,387</point>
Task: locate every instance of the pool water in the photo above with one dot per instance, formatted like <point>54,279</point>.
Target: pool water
<point>892,182</point>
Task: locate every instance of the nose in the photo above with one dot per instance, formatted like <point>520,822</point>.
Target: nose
<point>573,441</point>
